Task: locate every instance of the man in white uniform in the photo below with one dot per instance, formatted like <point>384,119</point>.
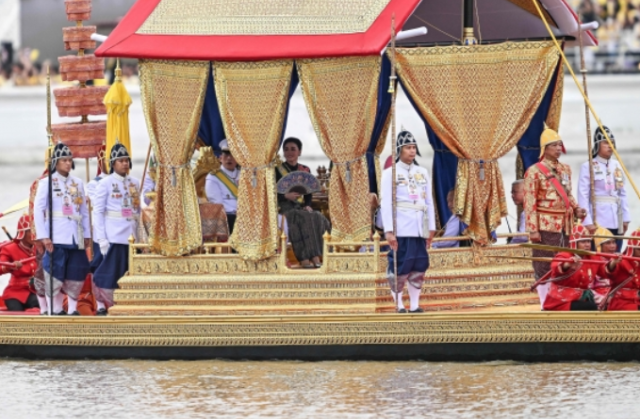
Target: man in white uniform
<point>611,206</point>
<point>71,231</point>
<point>116,212</point>
<point>91,194</point>
<point>415,222</point>
<point>222,187</point>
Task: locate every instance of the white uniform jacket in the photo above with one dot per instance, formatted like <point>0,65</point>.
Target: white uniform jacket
<point>610,193</point>
<point>218,193</point>
<point>415,211</point>
<point>116,209</point>
<point>70,213</point>
<point>90,189</point>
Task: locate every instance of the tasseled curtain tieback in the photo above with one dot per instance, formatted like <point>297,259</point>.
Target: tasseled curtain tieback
<point>481,163</point>
<point>348,165</point>
<point>254,172</point>
<point>174,178</point>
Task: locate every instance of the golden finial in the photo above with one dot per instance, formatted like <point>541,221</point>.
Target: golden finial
<point>118,70</point>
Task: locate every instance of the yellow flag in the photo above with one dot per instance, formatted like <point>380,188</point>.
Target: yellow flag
<point>117,101</point>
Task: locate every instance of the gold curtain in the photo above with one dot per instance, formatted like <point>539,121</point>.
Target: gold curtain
<point>172,98</point>
<point>479,100</point>
<point>341,96</point>
<point>253,99</point>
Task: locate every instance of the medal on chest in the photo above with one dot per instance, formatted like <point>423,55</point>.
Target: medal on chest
<point>413,189</point>
<point>619,180</point>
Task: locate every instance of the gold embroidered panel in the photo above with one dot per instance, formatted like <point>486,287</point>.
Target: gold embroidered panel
<point>341,96</point>
<point>378,329</point>
<point>172,98</point>
<point>264,17</point>
<point>479,100</point>
<point>253,100</point>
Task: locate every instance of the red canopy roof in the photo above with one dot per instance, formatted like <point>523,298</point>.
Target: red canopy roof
<point>258,30</point>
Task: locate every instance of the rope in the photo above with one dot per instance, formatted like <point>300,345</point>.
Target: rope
<point>436,28</point>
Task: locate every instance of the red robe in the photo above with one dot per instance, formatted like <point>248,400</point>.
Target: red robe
<point>18,287</point>
<point>562,293</point>
<point>627,297</point>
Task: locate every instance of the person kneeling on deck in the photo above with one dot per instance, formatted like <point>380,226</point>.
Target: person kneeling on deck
<point>517,195</point>
<point>71,231</point>
<point>604,242</point>
<point>415,222</point>
<point>116,212</point>
<point>625,279</point>
<point>572,277</point>
<point>222,187</point>
<point>17,295</point>
<point>454,227</point>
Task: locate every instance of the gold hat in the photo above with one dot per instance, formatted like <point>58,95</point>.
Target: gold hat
<point>602,232</point>
<point>548,137</point>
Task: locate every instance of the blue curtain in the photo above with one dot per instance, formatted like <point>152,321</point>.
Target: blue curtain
<point>382,112</point>
<point>211,131</point>
<point>445,167</point>
<point>295,80</point>
<point>529,144</point>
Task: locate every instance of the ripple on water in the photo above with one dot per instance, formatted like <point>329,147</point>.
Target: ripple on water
<point>127,389</point>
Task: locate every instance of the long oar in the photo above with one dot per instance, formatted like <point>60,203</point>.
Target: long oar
<point>23,261</point>
<point>578,251</point>
<point>546,259</point>
<point>14,208</point>
<point>7,233</point>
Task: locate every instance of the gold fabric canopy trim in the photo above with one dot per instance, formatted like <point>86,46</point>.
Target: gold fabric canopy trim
<point>253,99</point>
<point>479,100</point>
<point>265,17</point>
<point>341,95</point>
<point>172,98</point>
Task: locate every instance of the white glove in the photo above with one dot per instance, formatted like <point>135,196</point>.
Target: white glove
<point>104,246</point>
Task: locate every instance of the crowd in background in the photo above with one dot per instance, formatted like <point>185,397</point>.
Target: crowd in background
<point>618,34</point>
<point>23,67</point>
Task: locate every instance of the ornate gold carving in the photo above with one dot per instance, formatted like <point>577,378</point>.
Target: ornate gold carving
<point>385,329</point>
<point>266,17</point>
<point>207,163</point>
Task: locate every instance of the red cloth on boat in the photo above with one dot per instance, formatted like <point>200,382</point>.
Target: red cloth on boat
<point>86,301</point>
<point>562,293</point>
<point>626,298</point>
<point>18,287</point>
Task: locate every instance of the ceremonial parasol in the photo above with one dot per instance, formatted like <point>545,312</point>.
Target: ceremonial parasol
<point>117,102</point>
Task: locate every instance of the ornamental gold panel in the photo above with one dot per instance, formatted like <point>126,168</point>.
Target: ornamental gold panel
<point>265,17</point>
<point>383,329</point>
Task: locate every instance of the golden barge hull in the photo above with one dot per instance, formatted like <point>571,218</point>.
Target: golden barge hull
<point>475,336</point>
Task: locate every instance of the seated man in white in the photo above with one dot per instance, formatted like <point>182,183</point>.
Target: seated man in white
<point>222,187</point>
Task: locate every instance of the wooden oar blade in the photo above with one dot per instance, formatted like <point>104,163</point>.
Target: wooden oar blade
<point>14,208</point>
<point>550,248</point>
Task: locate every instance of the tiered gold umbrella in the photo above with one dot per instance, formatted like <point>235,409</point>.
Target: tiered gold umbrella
<point>117,101</point>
